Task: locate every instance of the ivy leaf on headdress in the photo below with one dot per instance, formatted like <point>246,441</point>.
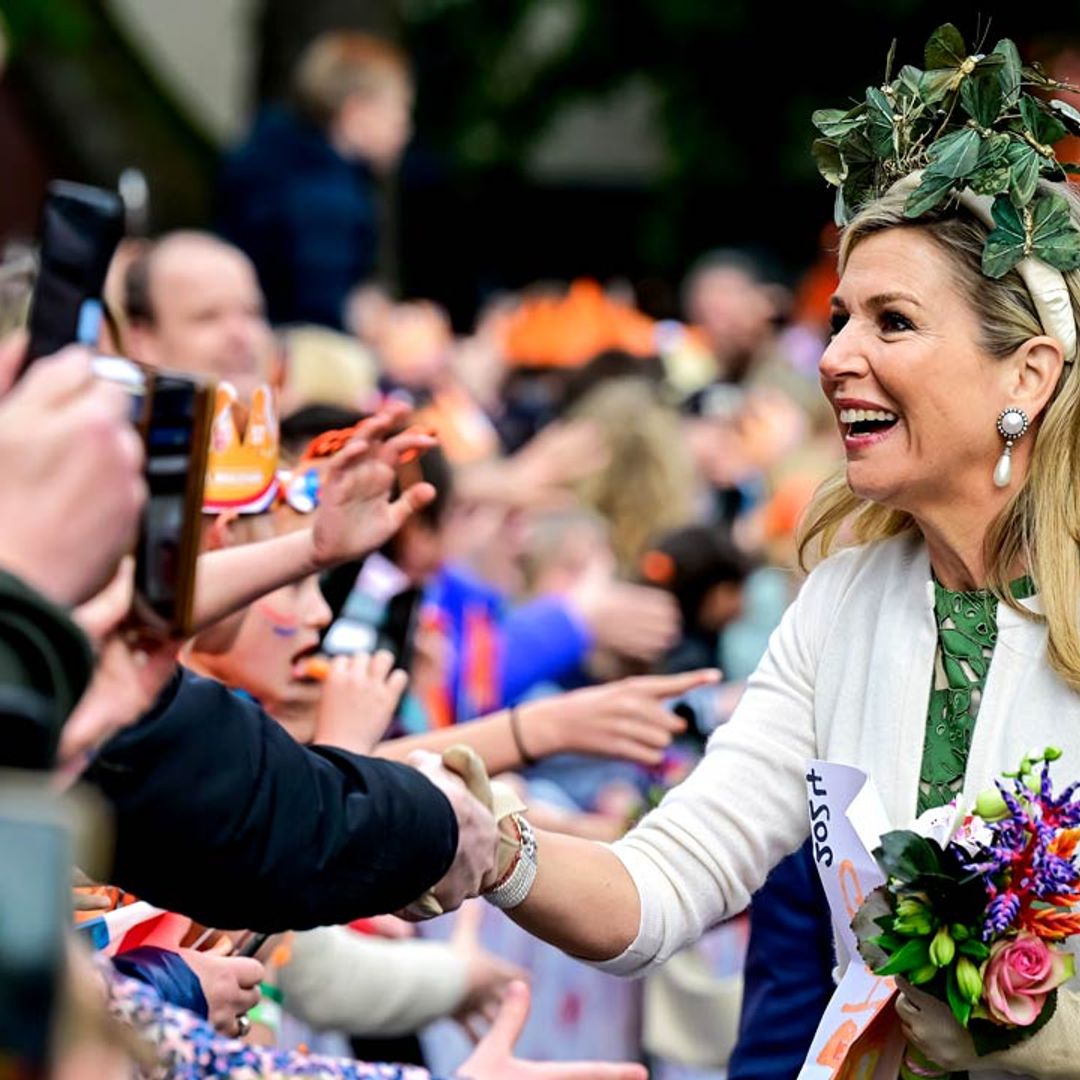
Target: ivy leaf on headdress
<point>1067,115</point>
<point>879,122</point>
<point>951,158</point>
<point>981,96</point>
<point>934,86</point>
<point>836,123</point>
<point>1024,165</point>
<point>829,161</point>
<point>1011,73</point>
<point>1054,239</point>
<point>946,48</point>
<point>1006,245</point>
<point>1046,128</point>
<point>1045,231</point>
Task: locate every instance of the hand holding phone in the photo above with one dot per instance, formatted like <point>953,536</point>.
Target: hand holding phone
<point>81,227</point>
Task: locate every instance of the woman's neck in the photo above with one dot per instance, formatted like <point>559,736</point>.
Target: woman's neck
<point>956,545</point>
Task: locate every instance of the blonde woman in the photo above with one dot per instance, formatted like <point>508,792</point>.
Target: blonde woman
<point>957,397</point>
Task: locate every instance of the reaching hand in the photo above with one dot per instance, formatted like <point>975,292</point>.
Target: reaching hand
<point>625,719</point>
<point>72,485</point>
<point>230,985</point>
<point>359,698</point>
<point>356,514</point>
<point>544,470</point>
<point>636,621</point>
<point>487,975</point>
<point>475,862</point>
<point>493,1058</point>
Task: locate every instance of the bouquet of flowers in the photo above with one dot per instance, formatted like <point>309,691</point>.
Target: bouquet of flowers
<point>976,906</point>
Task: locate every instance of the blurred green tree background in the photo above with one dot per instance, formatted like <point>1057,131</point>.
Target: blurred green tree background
<point>555,137</point>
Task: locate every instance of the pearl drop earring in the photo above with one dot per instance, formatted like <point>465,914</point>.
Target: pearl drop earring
<point>1011,425</point>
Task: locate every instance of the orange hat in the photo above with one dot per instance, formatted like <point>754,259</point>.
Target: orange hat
<point>570,330</point>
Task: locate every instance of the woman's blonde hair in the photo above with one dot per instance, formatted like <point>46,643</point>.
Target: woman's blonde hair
<point>1040,526</point>
<point>647,485</point>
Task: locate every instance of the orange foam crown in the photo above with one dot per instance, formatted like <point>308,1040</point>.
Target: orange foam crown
<point>241,468</point>
<point>567,331</point>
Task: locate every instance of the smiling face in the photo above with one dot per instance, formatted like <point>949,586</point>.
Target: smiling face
<point>915,395</point>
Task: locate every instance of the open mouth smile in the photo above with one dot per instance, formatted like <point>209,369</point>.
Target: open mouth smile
<point>864,427</point>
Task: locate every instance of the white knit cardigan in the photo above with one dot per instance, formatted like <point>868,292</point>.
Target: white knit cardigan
<point>846,677</point>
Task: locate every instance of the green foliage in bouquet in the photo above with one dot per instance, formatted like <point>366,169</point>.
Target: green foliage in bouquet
<point>926,930</point>
<point>965,121</point>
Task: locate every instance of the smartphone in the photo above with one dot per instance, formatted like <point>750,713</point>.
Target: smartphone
<point>176,436</point>
<point>252,945</point>
<point>80,229</point>
<point>173,413</point>
<point>377,612</point>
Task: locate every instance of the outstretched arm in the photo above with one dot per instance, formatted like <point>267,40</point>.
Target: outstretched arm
<point>583,901</point>
<point>626,720</point>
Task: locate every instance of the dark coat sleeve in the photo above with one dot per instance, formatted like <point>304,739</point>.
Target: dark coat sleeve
<point>45,665</point>
<point>222,816</point>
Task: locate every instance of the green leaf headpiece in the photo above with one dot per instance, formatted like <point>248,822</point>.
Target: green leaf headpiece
<point>966,123</point>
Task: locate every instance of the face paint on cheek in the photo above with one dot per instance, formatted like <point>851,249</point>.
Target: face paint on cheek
<point>281,624</point>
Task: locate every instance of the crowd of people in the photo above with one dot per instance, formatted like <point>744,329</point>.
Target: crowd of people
<point>502,616</point>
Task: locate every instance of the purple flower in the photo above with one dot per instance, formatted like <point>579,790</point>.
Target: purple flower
<point>1000,914</point>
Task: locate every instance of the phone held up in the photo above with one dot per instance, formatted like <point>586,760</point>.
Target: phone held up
<point>81,228</point>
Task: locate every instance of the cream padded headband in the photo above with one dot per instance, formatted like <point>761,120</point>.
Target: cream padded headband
<point>1046,285</point>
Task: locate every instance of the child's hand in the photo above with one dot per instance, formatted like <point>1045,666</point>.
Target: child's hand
<point>359,698</point>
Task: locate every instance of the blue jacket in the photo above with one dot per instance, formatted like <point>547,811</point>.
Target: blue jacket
<point>304,214</point>
<point>788,976</point>
<point>497,652</point>
<point>168,973</point>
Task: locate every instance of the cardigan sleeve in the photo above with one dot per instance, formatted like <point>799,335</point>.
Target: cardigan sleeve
<point>368,986</point>
<point>698,857</point>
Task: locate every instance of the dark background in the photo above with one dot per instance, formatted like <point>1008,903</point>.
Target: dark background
<point>733,84</point>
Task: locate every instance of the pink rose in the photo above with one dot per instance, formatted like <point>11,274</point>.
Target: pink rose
<point>1019,974</point>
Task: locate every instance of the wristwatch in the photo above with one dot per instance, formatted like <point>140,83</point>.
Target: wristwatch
<point>515,884</point>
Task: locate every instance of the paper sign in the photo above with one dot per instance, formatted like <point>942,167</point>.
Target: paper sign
<point>858,1037</point>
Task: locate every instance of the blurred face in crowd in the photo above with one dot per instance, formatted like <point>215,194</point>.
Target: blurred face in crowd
<point>208,313</point>
<point>722,604</point>
<point>734,312</point>
<point>376,126</point>
<point>265,655</point>
<point>419,549</point>
<point>414,343</point>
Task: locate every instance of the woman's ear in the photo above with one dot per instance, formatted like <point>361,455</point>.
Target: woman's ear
<point>1037,368</point>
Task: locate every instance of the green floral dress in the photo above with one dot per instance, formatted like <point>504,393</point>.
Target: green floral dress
<point>967,634</point>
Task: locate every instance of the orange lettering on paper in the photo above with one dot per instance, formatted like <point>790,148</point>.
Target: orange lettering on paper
<point>835,1050</point>
<point>872,1002</point>
<point>846,871</point>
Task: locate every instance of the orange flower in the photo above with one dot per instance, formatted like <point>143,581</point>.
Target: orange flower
<point>1064,844</point>
<point>1050,923</point>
